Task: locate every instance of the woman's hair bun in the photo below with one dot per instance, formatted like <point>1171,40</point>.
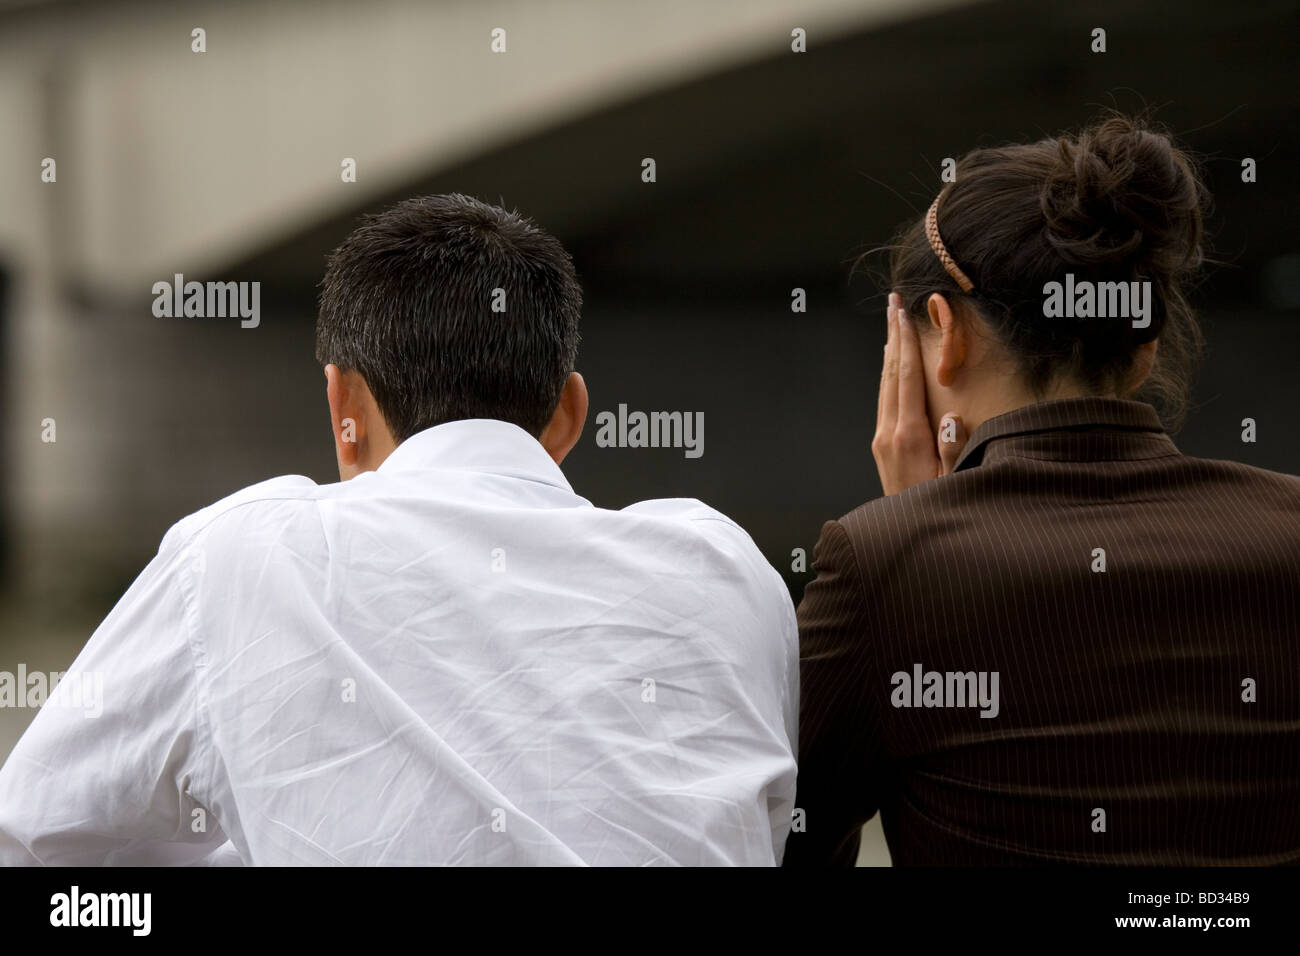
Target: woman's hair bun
<point>1116,203</point>
<point>1122,195</point>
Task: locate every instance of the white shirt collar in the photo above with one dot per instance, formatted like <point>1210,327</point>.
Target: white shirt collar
<point>477,444</point>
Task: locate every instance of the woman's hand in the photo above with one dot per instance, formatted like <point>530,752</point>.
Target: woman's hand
<point>906,451</point>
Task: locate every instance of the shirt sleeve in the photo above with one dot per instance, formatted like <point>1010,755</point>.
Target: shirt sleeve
<point>840,750</point>
<point>781,800</point>
<point>105,772</point>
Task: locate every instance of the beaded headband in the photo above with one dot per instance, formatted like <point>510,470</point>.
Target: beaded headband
<point>940,250</point>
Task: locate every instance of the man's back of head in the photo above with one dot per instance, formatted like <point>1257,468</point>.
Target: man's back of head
<point>445,308</point>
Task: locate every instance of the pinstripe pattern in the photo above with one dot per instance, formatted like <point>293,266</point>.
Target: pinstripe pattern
<point>1119,690</point>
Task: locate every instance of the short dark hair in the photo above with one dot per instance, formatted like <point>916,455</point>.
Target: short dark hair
<point>408,302</point>
<point>1117,201</point>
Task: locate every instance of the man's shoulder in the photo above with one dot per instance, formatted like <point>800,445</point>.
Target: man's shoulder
<point>678,509</point>
<point>247,508</point>
<point>693,518</point>
<point>723,537</point>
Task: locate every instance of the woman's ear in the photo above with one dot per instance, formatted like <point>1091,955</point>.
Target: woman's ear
<point>952,341</point>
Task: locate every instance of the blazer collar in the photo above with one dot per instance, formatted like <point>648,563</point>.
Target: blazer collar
<point>1070,429</point>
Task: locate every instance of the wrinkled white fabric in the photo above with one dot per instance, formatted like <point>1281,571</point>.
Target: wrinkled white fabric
<point>454,659</point>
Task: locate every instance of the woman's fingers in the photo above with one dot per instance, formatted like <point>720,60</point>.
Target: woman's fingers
<point>911,379</point>
<point>904,445</point>
<point>887,408</point>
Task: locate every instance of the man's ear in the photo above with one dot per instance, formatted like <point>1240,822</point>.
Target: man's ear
<point>952,344</point>
<point>565,427</point>
<point>340,390</point>
<point>362,439</point>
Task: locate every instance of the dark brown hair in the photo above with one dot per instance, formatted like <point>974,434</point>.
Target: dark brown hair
<point>1118,202</point>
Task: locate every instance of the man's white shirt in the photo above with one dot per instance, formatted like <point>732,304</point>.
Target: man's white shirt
<point>453,659</point>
